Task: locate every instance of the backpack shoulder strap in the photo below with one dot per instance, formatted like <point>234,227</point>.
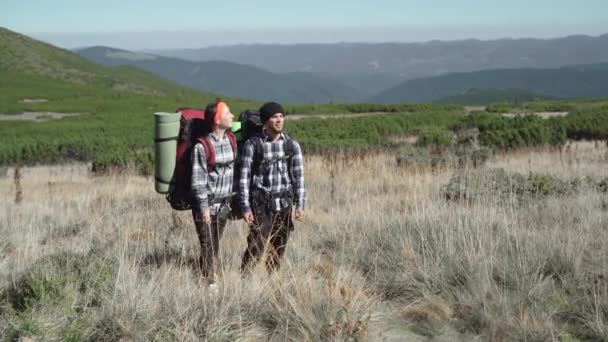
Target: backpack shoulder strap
<point>258,154</point>
<point>209,152</point>
<point>232,139</point>
<point>288,150</point>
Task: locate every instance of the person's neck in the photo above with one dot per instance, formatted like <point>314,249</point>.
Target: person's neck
<point>219,132</point>
<point>272,135</point>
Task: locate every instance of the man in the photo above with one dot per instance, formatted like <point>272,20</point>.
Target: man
<point>212,184</point>
<point>272,178</point>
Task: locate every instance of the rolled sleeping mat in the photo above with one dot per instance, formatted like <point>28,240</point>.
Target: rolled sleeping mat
<point>166,131</point>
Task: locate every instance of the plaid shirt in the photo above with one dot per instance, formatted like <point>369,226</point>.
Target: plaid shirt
<point>217,183</point>
<point>276,178</point>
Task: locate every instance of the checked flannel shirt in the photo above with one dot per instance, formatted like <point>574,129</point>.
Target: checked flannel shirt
<point>218,182</point>
<point>276,178</point>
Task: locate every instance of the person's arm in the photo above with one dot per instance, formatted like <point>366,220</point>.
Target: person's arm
<point>297,172</point>
<point>199,179</point>
<point>244,181</point>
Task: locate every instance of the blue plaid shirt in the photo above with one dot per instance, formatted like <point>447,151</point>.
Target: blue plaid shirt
<point>276,177</point>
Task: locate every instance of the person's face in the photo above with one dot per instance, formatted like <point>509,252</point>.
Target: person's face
<point>226,119</point>
<point>275,123</point>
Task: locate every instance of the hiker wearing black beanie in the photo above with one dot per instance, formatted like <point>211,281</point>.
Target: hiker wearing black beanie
<point>269,109</point>
<point>271,185</point>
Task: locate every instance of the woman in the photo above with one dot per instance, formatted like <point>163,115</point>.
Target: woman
<point>213,157</point>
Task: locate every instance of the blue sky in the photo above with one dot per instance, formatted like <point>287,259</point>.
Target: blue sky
<point>175,23</point>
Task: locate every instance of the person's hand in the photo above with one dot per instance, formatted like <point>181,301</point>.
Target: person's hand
<point>299,214</point>
<point>248,217</point>
<point>206,215</point>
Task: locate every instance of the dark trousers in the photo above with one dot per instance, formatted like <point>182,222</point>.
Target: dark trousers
<point>269,232</point>
<point>209,236</point>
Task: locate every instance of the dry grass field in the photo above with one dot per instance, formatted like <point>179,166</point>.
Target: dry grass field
<point>381,256</point>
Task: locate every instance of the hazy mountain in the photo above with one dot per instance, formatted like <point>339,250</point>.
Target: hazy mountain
<point>577,81</point>
<point>408,60</point>
<point>231,79</point>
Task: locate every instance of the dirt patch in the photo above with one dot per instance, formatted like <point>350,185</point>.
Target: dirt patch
<point>35,116</point>
<point>469,109</point>
<point>409,139</point>
<point>26,100</point>
<point>333,116</point>
<point>544,115</point>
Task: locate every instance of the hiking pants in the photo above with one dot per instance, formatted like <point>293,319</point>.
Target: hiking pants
<point>209,236</point>
<point>269,232</point>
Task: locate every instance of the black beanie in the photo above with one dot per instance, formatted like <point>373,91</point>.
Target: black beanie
<point>269,109</point>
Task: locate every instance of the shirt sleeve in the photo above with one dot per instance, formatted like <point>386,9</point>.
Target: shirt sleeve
<point>297,171</point>
<point>244,181</point>
<point>199,177</point>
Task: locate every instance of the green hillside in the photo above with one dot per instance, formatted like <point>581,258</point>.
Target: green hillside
<point>26,56</point>
<point>115,104</point>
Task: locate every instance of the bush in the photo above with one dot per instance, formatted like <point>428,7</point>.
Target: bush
<point>422,157</point>
<point>500,108</point>
<point>434,136</point>
<point>436,148</point>
<point>501,185</point>
<point>589,124</point>
<point>549,106</point>
<point>501,132</point>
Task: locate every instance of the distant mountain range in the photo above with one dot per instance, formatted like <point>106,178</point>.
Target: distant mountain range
<point>408,60</point>
<point>231,79</point>
<point>577,81</point>
<point>20,54</point>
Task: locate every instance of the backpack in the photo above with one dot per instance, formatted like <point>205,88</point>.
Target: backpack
<point>252,128</point>
<point>251,124</point>
<point>192,130</point>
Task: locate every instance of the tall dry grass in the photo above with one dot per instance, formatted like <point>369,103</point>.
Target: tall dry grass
<point>382,256</point>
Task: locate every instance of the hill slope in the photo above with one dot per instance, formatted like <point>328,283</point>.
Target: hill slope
<point>114,105</point>
<point>23,55</point>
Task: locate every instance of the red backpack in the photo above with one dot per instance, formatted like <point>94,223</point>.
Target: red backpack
<point>191,130</point>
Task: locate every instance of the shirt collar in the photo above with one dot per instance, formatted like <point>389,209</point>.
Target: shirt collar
<point>215,137</point>
<point>267,137</point>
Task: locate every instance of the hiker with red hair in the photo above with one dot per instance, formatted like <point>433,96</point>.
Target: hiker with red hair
<point>213,157</point>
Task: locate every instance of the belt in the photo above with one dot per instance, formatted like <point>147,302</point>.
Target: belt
<point>267,196</point>
<point>222,200</point>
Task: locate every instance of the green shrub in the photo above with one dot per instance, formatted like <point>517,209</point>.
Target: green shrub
<point>588,124</point>
<point>434,136</point>
<point>501,185</point>
<point>437,148</point>
<point>500,108</point>
<point>549,106</point>
<point>520,131</point>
